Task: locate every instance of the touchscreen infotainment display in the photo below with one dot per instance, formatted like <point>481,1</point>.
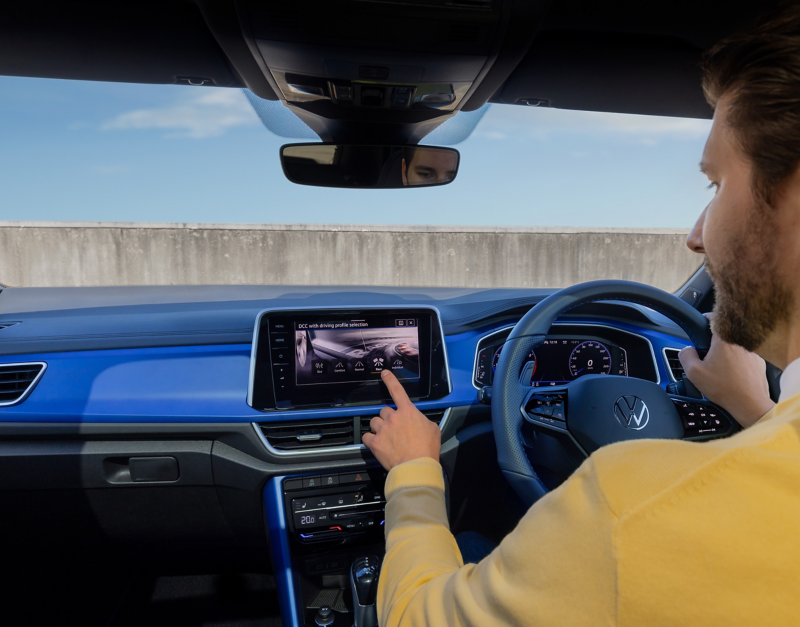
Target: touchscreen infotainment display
<point>329,357</point>
<point>342,351</point>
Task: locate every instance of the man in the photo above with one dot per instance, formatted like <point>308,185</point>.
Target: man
<point>653,532</point>
<point>428,166</point>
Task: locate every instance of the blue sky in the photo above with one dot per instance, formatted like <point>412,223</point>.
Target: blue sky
<point>84,151</point>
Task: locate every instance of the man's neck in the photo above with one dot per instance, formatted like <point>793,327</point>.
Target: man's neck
<point>782,347</point>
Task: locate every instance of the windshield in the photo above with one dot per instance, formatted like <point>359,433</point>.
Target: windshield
<point>83,151</point>
<point>76,151</point>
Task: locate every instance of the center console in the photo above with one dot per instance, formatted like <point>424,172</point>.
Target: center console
<point>308,367</point>
<point>323,529</point>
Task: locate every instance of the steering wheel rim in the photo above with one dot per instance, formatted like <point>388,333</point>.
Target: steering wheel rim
<point>510,395</point>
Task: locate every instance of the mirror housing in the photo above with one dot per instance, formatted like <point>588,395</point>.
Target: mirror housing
<point>369,166</point>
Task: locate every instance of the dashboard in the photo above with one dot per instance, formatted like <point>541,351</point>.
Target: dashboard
<point>199,355</point>
<point>202,415</point>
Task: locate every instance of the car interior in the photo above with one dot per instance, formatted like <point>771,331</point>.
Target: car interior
<point>192,455</point>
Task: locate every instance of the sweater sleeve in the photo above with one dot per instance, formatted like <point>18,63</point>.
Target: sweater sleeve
<point>556,568</point>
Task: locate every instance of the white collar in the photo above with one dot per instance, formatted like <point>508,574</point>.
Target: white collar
<point>790,381</point>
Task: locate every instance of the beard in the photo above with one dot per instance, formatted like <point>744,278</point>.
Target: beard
<point>751,297</point>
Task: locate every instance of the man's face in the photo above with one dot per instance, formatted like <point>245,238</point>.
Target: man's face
<point>430,167</point>
<point>747,244</point>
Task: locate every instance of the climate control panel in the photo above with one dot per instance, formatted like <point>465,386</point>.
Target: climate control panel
<point>335,506</point>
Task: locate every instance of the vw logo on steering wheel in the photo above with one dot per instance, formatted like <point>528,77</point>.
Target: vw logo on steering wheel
<point>632,412</point>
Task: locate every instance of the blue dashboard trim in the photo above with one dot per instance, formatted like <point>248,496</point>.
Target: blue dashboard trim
<point>275,518</point>
<point>208,384</point>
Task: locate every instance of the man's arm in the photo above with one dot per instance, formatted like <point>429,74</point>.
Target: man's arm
<point>556,567</point>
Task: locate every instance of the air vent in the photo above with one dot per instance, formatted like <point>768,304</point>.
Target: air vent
<point>308,434</point>
<point>673,363</point>
<point>6,324</point>
<point>435,415</point>
<point>464,32</point>
<point>18,380</point>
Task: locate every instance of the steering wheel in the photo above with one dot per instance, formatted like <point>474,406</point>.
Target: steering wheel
<point>593,410</point>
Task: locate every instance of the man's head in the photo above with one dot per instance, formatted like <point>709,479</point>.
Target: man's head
<point>750,231</point>
<point>429,166</point>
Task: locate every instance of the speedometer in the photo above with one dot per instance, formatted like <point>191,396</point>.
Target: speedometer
<point>589,358</point>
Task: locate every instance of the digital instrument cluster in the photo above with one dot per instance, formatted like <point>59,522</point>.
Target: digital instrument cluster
<point>571,354</point>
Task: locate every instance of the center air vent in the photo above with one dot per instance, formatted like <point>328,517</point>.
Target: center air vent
<point>307,435</point>
<point>17,381</point>
<point>674,363</point>
<point>434,415</point>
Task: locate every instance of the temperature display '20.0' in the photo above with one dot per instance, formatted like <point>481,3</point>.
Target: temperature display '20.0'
<point>589,358</point>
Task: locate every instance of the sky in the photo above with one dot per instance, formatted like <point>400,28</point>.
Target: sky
<point>115,152</point>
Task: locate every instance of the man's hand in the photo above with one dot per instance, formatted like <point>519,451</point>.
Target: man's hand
<point>732,378</point>
<point>402,434</point>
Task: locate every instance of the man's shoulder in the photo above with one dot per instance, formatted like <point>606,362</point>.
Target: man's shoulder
<point>632,473</point>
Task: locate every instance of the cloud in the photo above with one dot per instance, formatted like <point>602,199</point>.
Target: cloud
<point>530,122</point>
<point>209,113</point>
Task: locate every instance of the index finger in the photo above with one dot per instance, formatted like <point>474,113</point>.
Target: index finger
<point>396,390</point>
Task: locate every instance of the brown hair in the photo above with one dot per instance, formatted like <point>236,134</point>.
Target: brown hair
<point>759,74</point>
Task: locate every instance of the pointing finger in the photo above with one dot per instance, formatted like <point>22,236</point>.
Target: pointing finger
<point>396,390</point>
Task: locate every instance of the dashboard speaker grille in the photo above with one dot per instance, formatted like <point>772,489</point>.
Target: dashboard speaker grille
<point>309,434</point>
<point>17,381</point>
<point>673,363</point>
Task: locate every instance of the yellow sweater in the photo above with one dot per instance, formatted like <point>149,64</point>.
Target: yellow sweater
<point>645,533</point>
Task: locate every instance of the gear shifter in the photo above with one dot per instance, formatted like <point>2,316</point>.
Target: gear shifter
<point>364,580</point>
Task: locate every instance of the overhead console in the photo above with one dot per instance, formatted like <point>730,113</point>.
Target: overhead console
<point>386,71</point>
<point>375,54</point>
<point>335,357</point>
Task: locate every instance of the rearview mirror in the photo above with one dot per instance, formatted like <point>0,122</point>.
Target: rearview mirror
<point>368,167</point>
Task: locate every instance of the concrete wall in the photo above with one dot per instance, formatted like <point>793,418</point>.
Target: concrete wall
<point>87,254</point>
